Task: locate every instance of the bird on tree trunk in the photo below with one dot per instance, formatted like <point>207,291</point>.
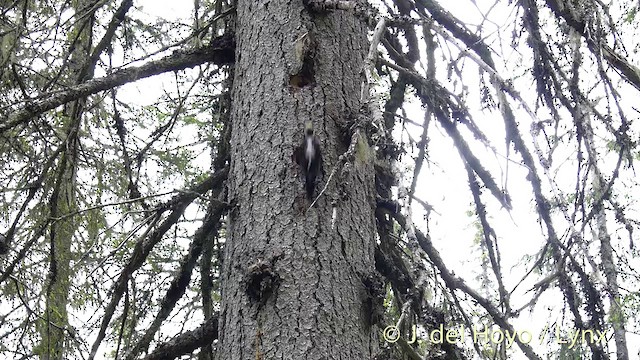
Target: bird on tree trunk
<point>309,158</point>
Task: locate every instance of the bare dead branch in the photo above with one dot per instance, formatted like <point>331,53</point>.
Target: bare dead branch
<point>220,52</point>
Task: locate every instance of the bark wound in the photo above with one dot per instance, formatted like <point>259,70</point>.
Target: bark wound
<point>302,70</point>
<point>261,281</point>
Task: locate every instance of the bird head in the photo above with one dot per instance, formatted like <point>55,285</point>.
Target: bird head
<point>308,128</point>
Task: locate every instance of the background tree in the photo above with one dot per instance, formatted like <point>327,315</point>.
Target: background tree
<point>165,217</point>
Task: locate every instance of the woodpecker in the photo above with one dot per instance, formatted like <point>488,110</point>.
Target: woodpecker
<point>309,158</point>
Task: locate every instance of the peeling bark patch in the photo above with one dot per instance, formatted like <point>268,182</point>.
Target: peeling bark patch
<point>260,281</point>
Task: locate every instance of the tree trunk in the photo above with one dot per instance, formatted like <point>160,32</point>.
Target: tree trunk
<point>54,329</point>
<point>294,277</point>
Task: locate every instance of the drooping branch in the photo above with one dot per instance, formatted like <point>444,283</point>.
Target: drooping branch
<point>514,137</point>
<point>103,44</point>
<point>582,119</point>
<point>476,43</point>
<point>180,282</point>
<point>144,246</point>
<point>489,237</point>
<point>443,105</point>
<point>187,342</point>
<point>453,282</point>
<point>456,27</point>
<point>424,138</point>
<point>596,44</point>
<point>221,51</point>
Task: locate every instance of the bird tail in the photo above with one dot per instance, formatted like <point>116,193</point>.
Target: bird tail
<point>310,185</point>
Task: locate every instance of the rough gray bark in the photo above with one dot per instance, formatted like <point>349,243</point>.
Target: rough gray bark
<point>293,282</point>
